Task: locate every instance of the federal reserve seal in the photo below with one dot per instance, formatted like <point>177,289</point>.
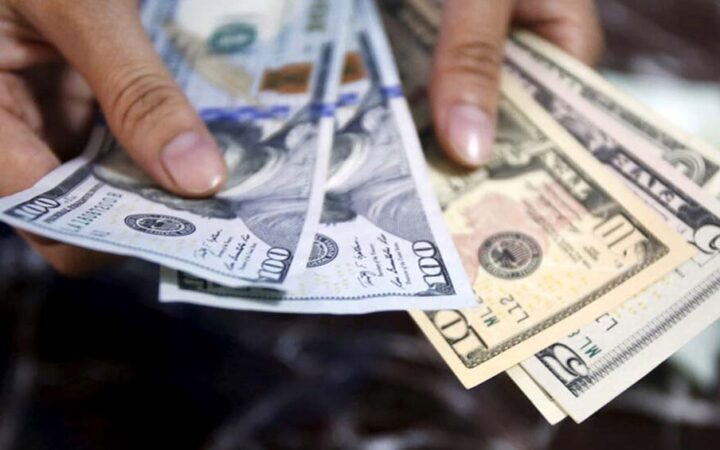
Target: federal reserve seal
<point>510,255</point>
<point>324,250</point>
<point>159,225</point>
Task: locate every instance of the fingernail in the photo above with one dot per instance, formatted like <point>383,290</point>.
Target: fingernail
<point>194,163</point>
<point>471,133</point>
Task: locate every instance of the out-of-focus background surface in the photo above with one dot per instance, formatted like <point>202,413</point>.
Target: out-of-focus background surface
<point>99,364</point>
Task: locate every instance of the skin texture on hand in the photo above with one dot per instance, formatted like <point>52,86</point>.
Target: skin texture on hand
<point>468,58</point>
<point>61,58</point>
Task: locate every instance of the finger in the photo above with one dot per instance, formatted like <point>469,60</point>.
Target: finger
<point>16,98</point>
<point>68,260</point>
<point>67,106</point>
<point>143,105</point>
<point>18,54</point>
<point>465,79</point>
<point>23,161</point>
<point>573,25</point>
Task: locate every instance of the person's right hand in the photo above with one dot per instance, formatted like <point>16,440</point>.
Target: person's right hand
<point>57,59</point>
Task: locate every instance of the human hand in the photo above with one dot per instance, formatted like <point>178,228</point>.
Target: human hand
<point>61,57</point>
<point>469,54</point>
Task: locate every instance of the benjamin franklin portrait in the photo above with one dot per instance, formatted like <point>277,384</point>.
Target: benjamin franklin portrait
<point>264,188</point>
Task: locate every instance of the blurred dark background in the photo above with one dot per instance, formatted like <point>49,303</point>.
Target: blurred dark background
<point>99,364</point>
<point>670,37</point>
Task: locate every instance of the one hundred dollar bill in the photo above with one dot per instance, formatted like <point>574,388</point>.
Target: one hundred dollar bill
<point>549,239</point>
<point>595,363</point>
<point>382,244</point>
<point>413,28</point>
<point>268,103</point>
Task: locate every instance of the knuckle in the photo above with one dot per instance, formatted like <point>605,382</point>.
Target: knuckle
<point>141,96</point>
<point>478,59</point>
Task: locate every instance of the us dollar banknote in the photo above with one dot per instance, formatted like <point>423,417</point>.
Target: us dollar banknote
<point>595,363</point>
<point>415,23</point>
<point>549,239</point>
<point>697,160</point>
<point>413,27</point>
<point>267,100</point>
<point>382,243</point>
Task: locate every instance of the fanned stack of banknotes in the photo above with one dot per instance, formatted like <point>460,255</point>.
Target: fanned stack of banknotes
<point>579,259</point>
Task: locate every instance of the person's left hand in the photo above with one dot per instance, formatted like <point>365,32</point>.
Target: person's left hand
<point>469,54</point>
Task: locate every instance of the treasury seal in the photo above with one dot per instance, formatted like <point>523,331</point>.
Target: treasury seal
<point>510,255</point>
<point>159,225</point>
<point>324,250</point>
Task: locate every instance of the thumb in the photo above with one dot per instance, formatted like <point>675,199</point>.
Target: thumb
<point>144,107</point>
<point>466,77</point>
